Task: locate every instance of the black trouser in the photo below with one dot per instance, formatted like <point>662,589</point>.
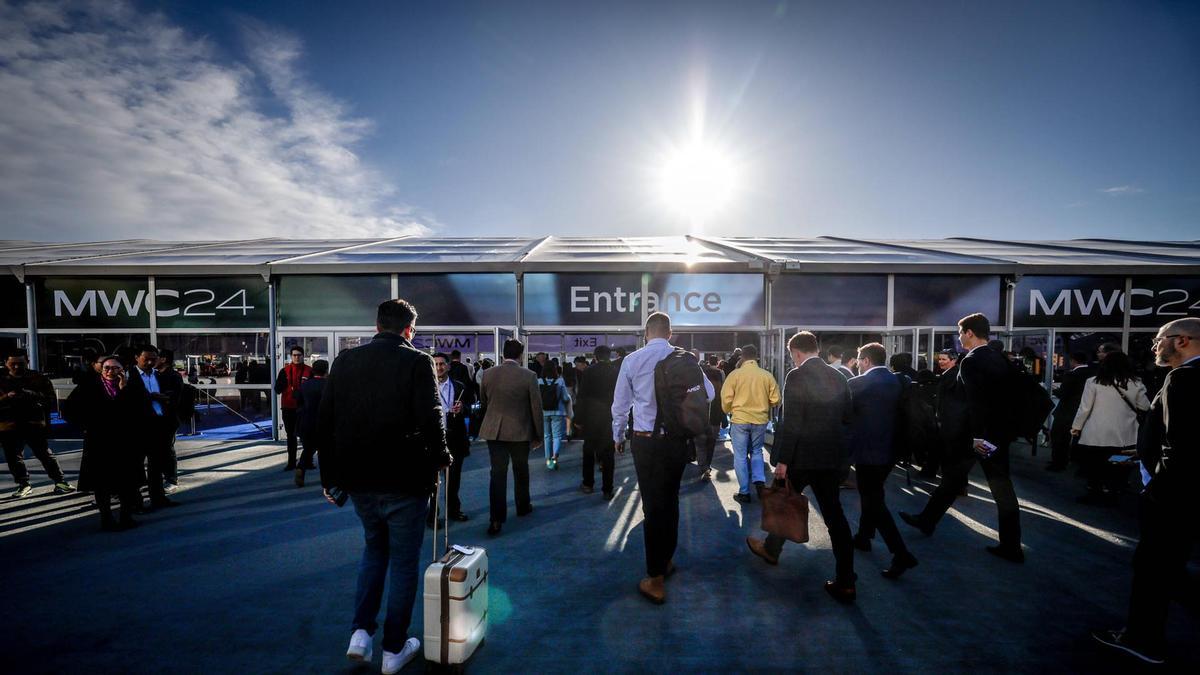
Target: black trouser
<point>453,505</point>
<point>501,453</point>
<point>14,443</point>
<point>875,513</point>
<point>131,500</point>
<point>954,480</point>
<point>1102,474</point>
<point>825,484</point>
<point>602,449</point>
<point>935,457</point>
<point>1168,531</point>
<point>308,450</point>
<point>1060,440</point>
<point>290,417</point>
<point>707,447</point>
<point>659,463</point>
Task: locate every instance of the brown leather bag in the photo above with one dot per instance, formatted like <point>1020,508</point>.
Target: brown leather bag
<point>785,513</point>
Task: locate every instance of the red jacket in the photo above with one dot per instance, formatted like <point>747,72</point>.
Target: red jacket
<point>287,384</point>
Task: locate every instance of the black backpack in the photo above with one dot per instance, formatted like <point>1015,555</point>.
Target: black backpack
<point>1032,406</point>
<point>680,395</point>
<point>916,422</point>
<point>549,396</point>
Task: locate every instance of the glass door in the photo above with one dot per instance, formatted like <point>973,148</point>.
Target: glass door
<point>1031,349</point>
<point>903,341</point>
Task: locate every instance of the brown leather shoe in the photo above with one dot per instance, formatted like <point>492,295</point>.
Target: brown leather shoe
<point>652,589</point>
<point>840,593</point>
<point>759,548</point>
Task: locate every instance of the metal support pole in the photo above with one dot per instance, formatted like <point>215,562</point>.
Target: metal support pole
<point>1127,306</point>
<point>273,358</point>
<point>31,326</point>
<point>152,309</point>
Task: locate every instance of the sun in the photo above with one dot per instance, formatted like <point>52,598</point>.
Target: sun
<point>697,181</point>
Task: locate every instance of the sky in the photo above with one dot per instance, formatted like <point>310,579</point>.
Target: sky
<point>236,120</point>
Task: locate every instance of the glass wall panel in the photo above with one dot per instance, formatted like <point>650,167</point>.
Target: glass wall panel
<point>829,300</point>
<point>332,300</point>
<point>461,299</point>
<point>941,300</point>
<point>230,374</point>
<point>12,303</point>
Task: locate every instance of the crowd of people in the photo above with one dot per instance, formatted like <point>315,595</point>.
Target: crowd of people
<point>386,418</point>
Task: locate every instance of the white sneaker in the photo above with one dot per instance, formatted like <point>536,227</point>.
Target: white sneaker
<point>170,488</point>
<point>360,648</point>
<point>392,663</point>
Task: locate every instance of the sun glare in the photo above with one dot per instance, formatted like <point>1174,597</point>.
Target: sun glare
<point>697,181</point>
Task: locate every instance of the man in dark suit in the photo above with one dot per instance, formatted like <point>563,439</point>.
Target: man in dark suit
<point>1167,513</point>
<point>716,418</point>
<point>172,383</point>
<point>154,430</point>
<point>593,419</point>
<point>512,426</point>
<point>810,450</point>
<point>833,356</point>
<point>900,364</point>
<point>1069,394</point>
<point>456,401</point>
<point>989,384</point>
<point>876,397</point>
<point>459,372</point>
<point>950,413</point>
<point>381,439</point>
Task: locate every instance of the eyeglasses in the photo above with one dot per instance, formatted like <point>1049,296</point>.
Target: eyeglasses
<point>1158,340</point>
<point>111,367</point>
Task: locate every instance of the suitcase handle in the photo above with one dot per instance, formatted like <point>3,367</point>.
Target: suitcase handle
<point>439,495</point>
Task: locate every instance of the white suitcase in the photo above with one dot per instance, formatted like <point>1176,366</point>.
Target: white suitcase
<point>456,602</point>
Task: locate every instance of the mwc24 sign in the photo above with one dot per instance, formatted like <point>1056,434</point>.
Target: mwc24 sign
<point>215,302</point>
<point>1099,302</point>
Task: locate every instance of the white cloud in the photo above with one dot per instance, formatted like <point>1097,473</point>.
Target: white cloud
<point>117,124</point>
<point>1122,191</point>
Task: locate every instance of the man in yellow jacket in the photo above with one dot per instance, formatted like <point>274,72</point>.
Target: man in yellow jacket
<point>748,396</point>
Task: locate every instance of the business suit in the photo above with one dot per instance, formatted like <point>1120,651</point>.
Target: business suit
<point>989,388</point>
<point>951,413</point>
<point>154,432</point>
<point>593,418</point>
<point>510,395</point>
<point>1168,511</point>
<point>716,417</point>
<point>811,441</point>
<point>876,397</point>
<point>457,442</point>
<point>1070,391</point>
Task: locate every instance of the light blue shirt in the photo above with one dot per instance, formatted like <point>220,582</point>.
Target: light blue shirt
<point>635,388</point>
<point>151,383</point>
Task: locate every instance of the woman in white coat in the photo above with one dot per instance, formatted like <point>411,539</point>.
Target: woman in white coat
<point>1107,425</point>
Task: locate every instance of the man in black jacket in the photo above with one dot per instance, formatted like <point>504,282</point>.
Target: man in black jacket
<point>810,450</point>
<point>716,418</point>
<point>309,398</point>
<point>172,384</point>
<point>26,400</point>
<point>989,385</point>
<point>1168,514</point>
<point>156,397</point>
<point>455,398</point>
<point>1070,391</point>
<point>382,440</point>
<point>593,419</point>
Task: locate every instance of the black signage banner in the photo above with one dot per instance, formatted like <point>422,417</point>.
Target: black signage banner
<point>73,302</point>
<point>1069,302</point>
<point>709,299</point>
<point>829,300</point>
<point>461,299</point>
<point>12,303</point>
<point>333,300</point>
<point>1158,300</point>
<point>943,299</point>
<point>212,302</point>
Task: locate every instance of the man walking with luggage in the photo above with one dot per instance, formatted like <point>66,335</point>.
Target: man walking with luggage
<point>748,396</point>
<point>382,441</point>
<point>810,450</point>
<point>512,426</point>
<point>989,387</point>
<point>658,458</point>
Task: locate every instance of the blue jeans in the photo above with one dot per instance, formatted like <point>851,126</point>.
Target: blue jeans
<point>555,429</point>
<point>393,526</point>
<point>747,441</point>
